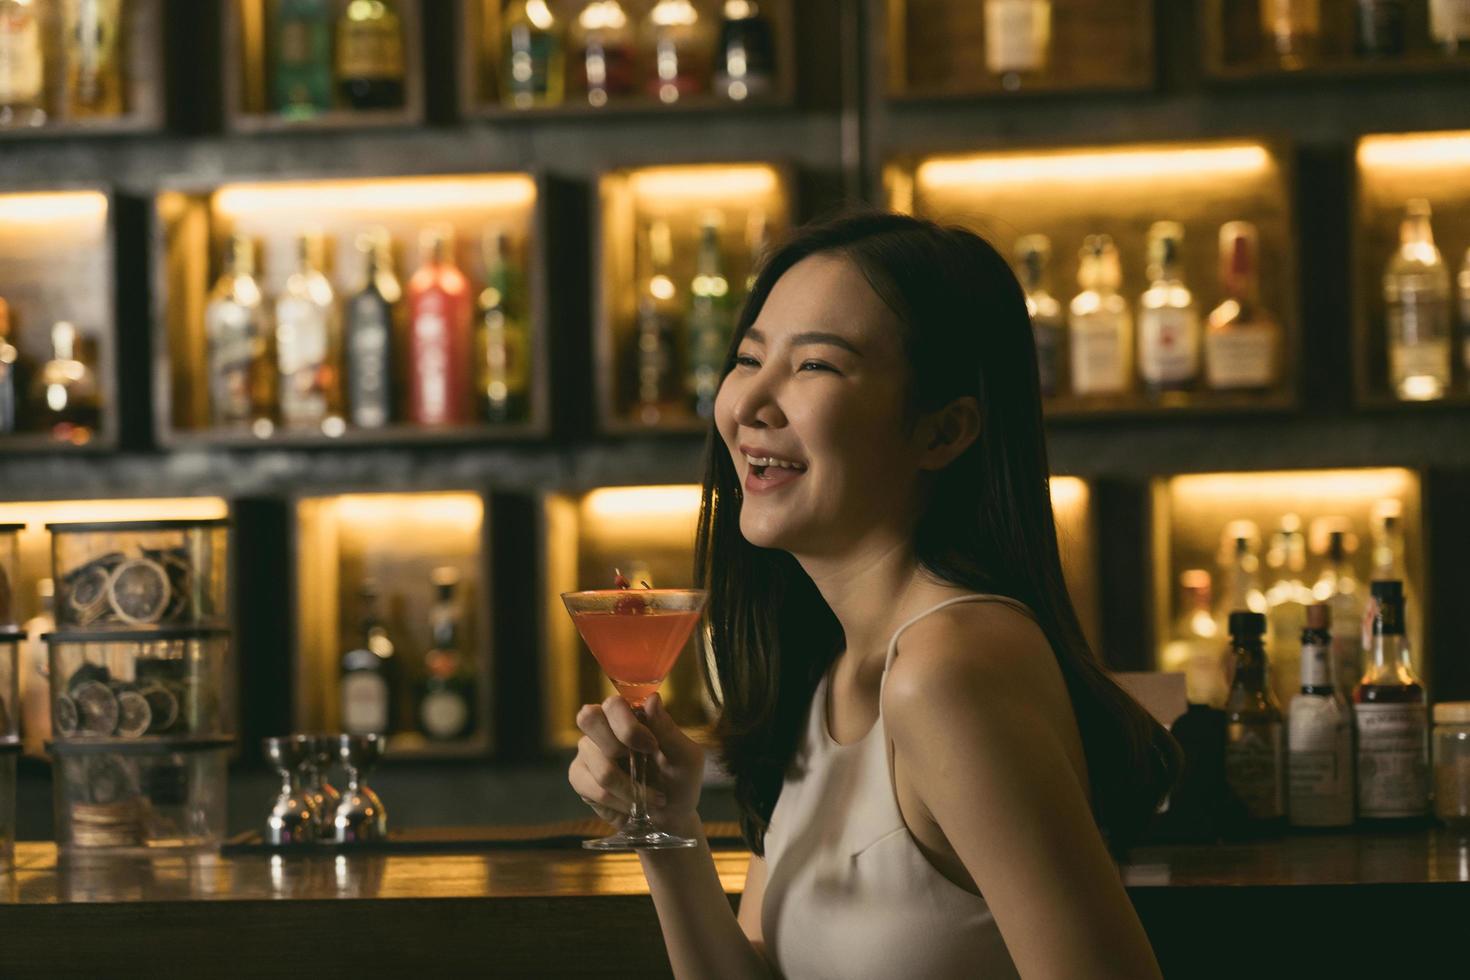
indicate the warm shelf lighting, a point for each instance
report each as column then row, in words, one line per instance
column 394, row 194
column 1429, row 151
column 638, row 503
column 1093, row 166
column 1308, row 485
column 37, row 514
column 1067, row 493
column 701, row 183
column 458, row 511
column 53, row 207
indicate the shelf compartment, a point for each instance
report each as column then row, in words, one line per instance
column 1392, row 169
column 935, row 49
column 247, row 88
column 192, row 228
column 397, row 540
column 1068, row 193
column 628, row 200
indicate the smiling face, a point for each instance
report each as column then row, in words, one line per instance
column 812, row 415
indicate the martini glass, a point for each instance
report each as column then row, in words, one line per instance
column 636, row 635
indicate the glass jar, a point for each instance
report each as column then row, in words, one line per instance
column 140, row 575
column 1452, row 765
column 9, row 574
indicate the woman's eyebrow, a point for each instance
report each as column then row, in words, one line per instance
column 809, row 338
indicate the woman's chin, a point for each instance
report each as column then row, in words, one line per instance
column 762, row 534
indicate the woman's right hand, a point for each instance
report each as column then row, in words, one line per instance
column 599, row 774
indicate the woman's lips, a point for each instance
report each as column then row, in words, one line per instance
column 776, row 476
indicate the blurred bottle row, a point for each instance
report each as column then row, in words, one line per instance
column 58, row 396
column 1421, row 311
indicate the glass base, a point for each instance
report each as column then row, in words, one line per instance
column 639, row 835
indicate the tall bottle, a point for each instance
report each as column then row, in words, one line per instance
column 1390, row 561
column 301, row 62
column 1338, row 587
column 369, row 672
column 533, row 61
column 1381, row 28
column 745, row 60
column 237, row 327
column 446, row 695
column 440, row 358
column 604, row 51
column 1390, row 714
column 1242, row 339
column 22, row 64
column 677, row 42
column 711, row 319
column 1240, row 573
column 1416, row 293
column 371, row 334
column 370, row 66
column 94, row 58
column 308, row 340
column 1100, row 325
column 1168, row 319
column 1048, row 326
column 64, row 393
column 1194, row 646
column 1449, row 25
column 1017, row 38
column 1287, row 599
column 656, row 350
column 1254, row 749
column 9, row 371
column 1319, row 736
column 505, row 334
column 1292, row 30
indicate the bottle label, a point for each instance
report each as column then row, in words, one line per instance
column 232, row 354
column 364, row 703
column 1316, row 663
column 1319, row 762
column 1241, row 356
column 1253, row 767
column 443, row 714
column 21, row 75
column 1393, row 759
column 1168, row 346
column 368, row 363
column 369, row 50
column 1016, row 35
column 529, row 56
column 1098, row 363
column 431, row 367
column 1449, row 20
column 301, row 352
column 507, row 364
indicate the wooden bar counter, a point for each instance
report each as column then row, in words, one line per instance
column 1259, row 909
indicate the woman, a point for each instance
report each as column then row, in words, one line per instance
column 929, row 763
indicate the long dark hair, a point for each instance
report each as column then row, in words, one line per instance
column 987, row 524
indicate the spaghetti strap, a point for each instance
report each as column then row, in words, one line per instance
column 1006, row 600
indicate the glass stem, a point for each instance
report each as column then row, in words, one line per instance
column 638, row 769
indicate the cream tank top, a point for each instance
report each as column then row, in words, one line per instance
column 849, row 895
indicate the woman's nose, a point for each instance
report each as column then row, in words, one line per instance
column 755, row 402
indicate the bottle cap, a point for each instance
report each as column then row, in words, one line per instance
column 1245, row 624
column 1319, row 616
column 1452, row 713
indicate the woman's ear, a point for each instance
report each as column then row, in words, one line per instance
column 944, row 434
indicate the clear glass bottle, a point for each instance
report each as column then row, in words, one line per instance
column 65, row 395
column 94, row 58
column 238, row 331
column 1168, row 319
column 745, row 66
column 1449, row 25
column 371, row 334
column 1287, row 598
column 1381, row 28
column 22, row 64
column 1100, row 326
column 711, row 319
column 370, row 64
column 1048, row 326
column 1319, row 735
column 1390, row 561
column 1017, row 38
column 301, row 57
column 605, row 52
column 1337, row 586
column 446, row 694
column 1292, row 30
column 440, row 357
column 1194, row 645
column 1416, row 294
column 656, row 354
column 1254, row 743
column 1240, row 573
column 368, row 683
column 1242, row 339
column 307, row 341
column 9, row 371
column 1391, row 719
column 678, row 43
column 533, row 59
column 505, row 334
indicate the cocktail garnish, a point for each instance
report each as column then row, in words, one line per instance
column 628, row 605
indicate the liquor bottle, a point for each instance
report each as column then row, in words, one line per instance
column 745, row 64
column 65, row 390
column 368, row 681
column 1194, row 647
column 505, row 336
column 1449, row 25
column 710, row 320
column 757, row 246
column 1242, row 340
column 301, row 49
column 307, row 341
column 1380, row 28
column 1100, row 328
column 446, row 695
column 656, row 353
column 370, row 54
column 1254, row 760
column 1239, row 574
column 439, row 354
column 237, row 328
column 1338, row 587
column 533, row 62
column 1319, row 735
column 1416, row 293
column 1292, row 30
column 1389, row 711
column 1389, row 562
column 22, row 64
column 371, row 334
column 1017, row 38
column 1287, row 599
column 1168, row 320
column 1033, row 261
column 605, row 52
column 9, row 371
column 94, row 62
column 677, row 43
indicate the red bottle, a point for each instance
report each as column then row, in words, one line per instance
column 439, row 353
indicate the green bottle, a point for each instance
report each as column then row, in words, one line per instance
column 533, row 58
column 301, row 73
column 505, row 340
column 710, row 319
